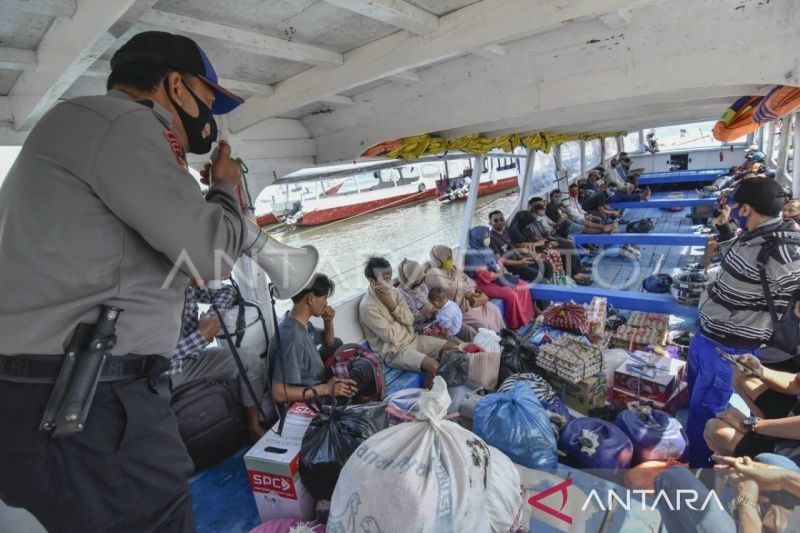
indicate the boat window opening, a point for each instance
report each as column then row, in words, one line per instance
column 544, row 175
column 570, row 159
column 687, row 136
column 630, row 143
column 592, row 153
column 431, row 171
column 611, row 147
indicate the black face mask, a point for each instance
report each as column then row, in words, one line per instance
column 200, row 130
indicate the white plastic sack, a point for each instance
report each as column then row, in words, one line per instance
column 429, row 475
column 488, row 340
column 612, row 358
column 504, row 502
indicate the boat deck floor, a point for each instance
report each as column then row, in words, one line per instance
column 221, row 496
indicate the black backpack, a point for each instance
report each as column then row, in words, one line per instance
column 210, row 420
column 786, row 328
column 644, row 225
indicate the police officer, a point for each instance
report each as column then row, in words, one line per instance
column 99, row 209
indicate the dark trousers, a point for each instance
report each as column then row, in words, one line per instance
column 538, row 272
column 126, row 471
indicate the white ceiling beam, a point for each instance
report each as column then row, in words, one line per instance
column 68, row 48
column 17, row 59
column 493, row 51
column 404, row 77
column 395, row 13
column 617, row 20
column 49, row 8
column 244, row 40
column 102, row 68
column 337, row 99
column 478, row 25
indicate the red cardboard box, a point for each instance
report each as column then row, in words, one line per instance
column 658, row 381
column 680, row 397
column 273, row 469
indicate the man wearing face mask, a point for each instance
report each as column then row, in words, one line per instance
column 99, row 209
column 734, row 312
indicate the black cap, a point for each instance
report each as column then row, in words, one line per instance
column 179, row 53
column 764, row 195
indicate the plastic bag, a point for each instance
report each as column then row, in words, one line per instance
column 453, row 367
column 333, row 435
column 518, row 357
column 488, row 340
column 516, row 423
column 656, row 436
column 403, row 405
column 435, row 472
column 595, row 443
column 483, row 369
column 504, row 503
column 558, row 412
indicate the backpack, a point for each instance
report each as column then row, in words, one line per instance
column 785, row 330
column 210, row 420
column 365, row 367
column 644, row 225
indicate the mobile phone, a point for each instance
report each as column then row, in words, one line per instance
column 741, row 366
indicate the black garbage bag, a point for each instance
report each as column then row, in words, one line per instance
column 454, row 367
column 518, row 356
column 333, row 435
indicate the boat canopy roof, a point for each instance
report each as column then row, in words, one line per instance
column 324, row 80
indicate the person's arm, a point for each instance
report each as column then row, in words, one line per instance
column 779, row 428
column 386, row 330
column 285, row 393
column 328, row 336
column 137, row 176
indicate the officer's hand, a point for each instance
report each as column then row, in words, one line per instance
column 224, row 168
column 209, row 326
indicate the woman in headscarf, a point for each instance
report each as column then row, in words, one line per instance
column 411, row 276
column 491, row 278
column 478, row 311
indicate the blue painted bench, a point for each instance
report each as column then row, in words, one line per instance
column 665, row 203
column 657, row 239
column 646, row 181
column 634, row 301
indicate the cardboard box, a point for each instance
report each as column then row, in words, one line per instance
column 658, row 382
column 273, row 469
column 582, row 396
column 680, row 397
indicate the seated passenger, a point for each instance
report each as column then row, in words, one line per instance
column 193, row 359
column 449, row 316
column 478, row 311
column 519, row 261
column 297, row 364
column 594, row 181
column 557, row 211
column 772, row 400
column 389, row 325
column 524, row 235
column 411, row 284
column 565, row 246
column 791, row 210
column 496, row 282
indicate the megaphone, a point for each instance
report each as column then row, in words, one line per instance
column 290, row 269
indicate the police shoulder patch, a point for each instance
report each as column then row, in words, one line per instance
column 177, row 147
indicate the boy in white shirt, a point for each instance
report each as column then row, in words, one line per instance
column 449, row 315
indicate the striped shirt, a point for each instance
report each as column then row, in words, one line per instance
column 733, row 311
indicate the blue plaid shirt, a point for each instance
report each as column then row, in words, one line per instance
column 192, row 341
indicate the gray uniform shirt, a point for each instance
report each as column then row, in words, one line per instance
column 298, row 362
column 97, row 209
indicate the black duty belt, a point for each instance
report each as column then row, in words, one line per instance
column 45, row 368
